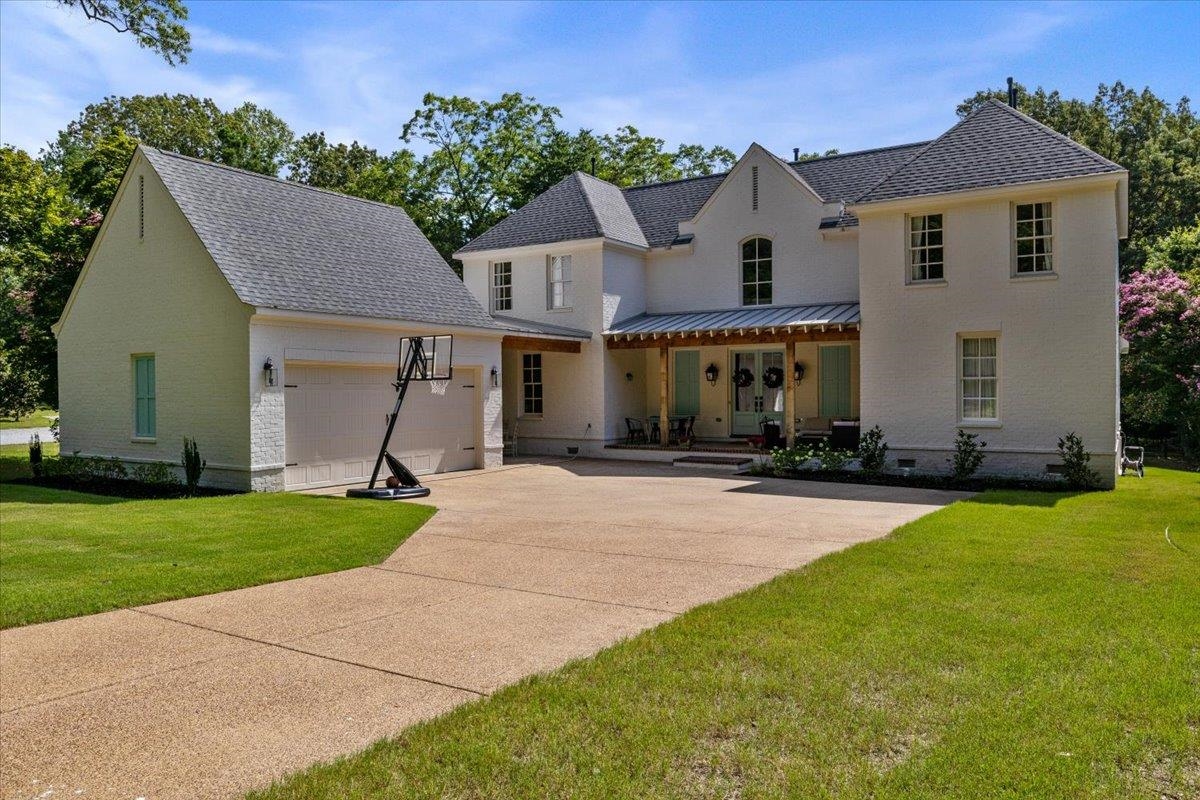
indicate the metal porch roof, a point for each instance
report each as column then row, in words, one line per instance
column 739, row 319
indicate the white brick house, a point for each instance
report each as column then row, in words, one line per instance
column 964, row 283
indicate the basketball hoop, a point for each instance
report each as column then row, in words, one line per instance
column 439, row 387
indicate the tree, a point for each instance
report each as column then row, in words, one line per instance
column 1158, row 144
column 1177, row 250
column 44, row 238
column 156, row 24
column 1160, row 317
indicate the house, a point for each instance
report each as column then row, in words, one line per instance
column 966, row 283
column 202, row 275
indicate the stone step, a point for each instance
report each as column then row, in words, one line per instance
column 723, row 463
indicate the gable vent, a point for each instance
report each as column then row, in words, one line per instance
column 141, row 206
column 754, row 188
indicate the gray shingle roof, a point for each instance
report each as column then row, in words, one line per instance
column 577, row 207
column 529, row 326
column 659, row 207
column 993, row 146
column 739, row 319
column 848, row 175
column 293, row 247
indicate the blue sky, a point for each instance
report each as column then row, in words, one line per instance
column 808, row 75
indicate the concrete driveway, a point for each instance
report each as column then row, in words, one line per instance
column 521, row 570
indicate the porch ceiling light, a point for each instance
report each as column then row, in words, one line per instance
column 711, row 373
column 798, row 372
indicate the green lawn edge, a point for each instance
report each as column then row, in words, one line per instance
column 65, row 554
column 1014, row 645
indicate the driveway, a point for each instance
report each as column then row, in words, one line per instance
column 521, row 570
column 23, row 435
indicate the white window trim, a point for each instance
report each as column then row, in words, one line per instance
column 741, row 262
column 1052, row 237
column 977, row 422
column 909, row 249
column 541, row 382
column 494, row 273
column 566, row 268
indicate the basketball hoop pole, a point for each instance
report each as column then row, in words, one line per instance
column 404, row 373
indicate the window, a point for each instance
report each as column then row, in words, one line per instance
column 978, row 378
column 502, row 286
column 144, row 413
column 1034, row 239
column 756, row 272
column 925, row 261
column 559, row 282
column 531, row 383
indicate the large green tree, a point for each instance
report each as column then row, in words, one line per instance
column 1159, row 143
column 156, row 24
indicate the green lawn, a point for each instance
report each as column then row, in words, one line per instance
column 1016, row 645
column 14, row 459
column 42, row 418
column 63, row 554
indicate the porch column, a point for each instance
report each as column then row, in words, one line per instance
column 789, row 395
column 664, row 423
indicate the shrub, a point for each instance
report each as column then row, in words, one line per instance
column 872, row 451
column 55, row 430
column 833, row 460
column 35, row 456
column 968, row 455
column 156, row 473
column 193, row 465
column 1076, row 471
column 790, row 459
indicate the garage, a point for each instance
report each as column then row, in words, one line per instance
column 336, row 416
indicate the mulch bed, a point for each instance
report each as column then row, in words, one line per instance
column 918, row 481
column 132, row 490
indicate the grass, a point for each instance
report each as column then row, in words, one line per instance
column 1017, row 645
column 42, row 418
column 14, row 459
column 63, row 554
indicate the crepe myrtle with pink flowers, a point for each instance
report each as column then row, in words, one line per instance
column 1160, row 317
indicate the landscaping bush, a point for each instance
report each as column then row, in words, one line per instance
column 790, row 459
column 832, row 460
column 193, row 465
column 156, row 473
column 968, row 455
column 35, row 456
column 872, row 451
column 1075, row 458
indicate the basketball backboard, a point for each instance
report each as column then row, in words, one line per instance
column 432, row 355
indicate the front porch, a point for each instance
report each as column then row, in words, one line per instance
column 722, row 375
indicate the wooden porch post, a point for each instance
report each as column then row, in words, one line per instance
column 664, row 423
column 789, row 394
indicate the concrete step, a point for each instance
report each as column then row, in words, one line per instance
column 711, row 462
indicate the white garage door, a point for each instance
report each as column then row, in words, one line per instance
column 336, row 418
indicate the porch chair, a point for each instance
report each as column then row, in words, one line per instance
column 635, row 431
column 683, row 431
column 510, row 439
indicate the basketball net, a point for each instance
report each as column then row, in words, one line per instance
column 439, row 387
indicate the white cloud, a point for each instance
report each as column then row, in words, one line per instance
column 206, row 40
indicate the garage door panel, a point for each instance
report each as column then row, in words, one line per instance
column 336, row 418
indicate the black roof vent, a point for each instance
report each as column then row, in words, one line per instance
column 1012, row 94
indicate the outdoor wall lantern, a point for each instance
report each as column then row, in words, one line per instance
column 629, row 377
column 711, row 373
column 798, row 372
column 495, row 376
column 269, row 371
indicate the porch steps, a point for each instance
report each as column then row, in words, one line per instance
column 710, row 462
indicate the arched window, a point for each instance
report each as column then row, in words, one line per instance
column 756, row 272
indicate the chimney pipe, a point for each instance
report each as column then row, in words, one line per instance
column 1012, row 93
column 795, row 154
column 593, row 166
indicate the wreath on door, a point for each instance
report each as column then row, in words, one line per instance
column 743, row 378
column 773, row 377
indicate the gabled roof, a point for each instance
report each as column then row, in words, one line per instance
column 995, row 145
column 743, row 318
column 577, row 207
column 847, row 175
column 293, row 247
column 659, row 207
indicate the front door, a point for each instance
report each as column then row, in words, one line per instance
column 758, row 377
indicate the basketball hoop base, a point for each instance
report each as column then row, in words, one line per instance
column 394, row 493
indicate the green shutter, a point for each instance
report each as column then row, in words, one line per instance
column 687, row 383
column 145, row 411
column 835, row 381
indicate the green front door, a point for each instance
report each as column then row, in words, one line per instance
column 762, row 397
column 687, row 383
column 834, row 378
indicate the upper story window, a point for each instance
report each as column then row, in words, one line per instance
column 502, row 286
column 558, row 282
column 1033, row 238
column 978, row 378
column 925, row 259
column 756, row 272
